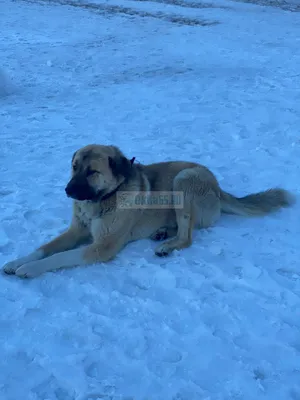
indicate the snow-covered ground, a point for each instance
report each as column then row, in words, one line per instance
column 214, row 84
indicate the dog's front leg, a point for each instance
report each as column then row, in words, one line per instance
column 110, row 235
column 65, row 259
column 94, row 253
column 67, row 240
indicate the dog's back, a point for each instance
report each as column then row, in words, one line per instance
column 161, row 175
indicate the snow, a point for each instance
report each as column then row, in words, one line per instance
column 217, row 321
column 6, row 85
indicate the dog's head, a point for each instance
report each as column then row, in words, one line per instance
column 97, row 170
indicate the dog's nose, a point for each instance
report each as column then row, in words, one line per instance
column 67, row 190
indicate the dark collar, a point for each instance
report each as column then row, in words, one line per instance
column 110, row 194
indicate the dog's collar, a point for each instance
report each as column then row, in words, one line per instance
column 110, row 194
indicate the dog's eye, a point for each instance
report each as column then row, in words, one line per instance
column 75, row 166
column 91, row 172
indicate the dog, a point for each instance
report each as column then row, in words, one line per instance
column 105, row 186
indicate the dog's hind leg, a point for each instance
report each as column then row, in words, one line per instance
column 185, row 220
column 201, row 207
column 164, row 233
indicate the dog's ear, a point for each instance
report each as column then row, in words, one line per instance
column 120, row 166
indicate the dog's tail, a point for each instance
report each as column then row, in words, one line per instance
column 261, row 203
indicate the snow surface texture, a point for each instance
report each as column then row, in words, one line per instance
column 6, row 85
column 216, row 84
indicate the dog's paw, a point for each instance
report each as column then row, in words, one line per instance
column 11, row 267
column 29, row 270
column 164, row 233
column 160, row 234
column 163, row 250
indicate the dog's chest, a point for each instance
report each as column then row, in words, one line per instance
column 86, row 213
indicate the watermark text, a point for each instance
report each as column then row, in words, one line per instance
column 152, row 200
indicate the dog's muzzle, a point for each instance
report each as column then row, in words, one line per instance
column 79, row 190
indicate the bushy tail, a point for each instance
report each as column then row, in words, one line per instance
column 258, row 203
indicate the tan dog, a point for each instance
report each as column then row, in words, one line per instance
column 117, row 201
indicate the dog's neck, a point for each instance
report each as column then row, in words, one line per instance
column 108, row 195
